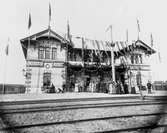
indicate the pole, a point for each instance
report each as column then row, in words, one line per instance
column 5, row 69
column 5, row 66
column 67, row 87
column 66, row 71
column 28, row 49
column 112, row 56
column 138, row 26
column 83, row 60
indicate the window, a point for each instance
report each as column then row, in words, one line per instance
column 41, row 53
column 141, row 61
column 136, row 59
column 47, row 53
column 54, row 53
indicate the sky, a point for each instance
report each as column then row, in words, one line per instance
column 87, row 18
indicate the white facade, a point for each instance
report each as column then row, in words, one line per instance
column 45, row 64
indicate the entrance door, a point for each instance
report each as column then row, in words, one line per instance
column 46, row 79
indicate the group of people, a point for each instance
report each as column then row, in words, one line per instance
column 109, row 87
column 118, row 88
column 92, row 86
column 50, row 88
column 103, row 87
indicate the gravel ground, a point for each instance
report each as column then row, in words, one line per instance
column 85, row 127
column 75, row 114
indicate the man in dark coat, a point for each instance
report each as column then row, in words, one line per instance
column 149, row 85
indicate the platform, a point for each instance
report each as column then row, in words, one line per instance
column 51, row 96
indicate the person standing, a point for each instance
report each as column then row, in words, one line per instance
column 76, row 86
column 149, row 85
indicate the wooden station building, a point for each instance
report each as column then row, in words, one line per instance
column 52, row 59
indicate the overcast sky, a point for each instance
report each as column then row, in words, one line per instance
column 88, row 18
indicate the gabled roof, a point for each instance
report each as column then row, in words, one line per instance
column 45, row 33
column 136, row 45
column 48, row 33
column 141, row 43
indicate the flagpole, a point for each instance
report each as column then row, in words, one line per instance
column 49, row 15
column 129, row 69
column 28, row 47
column 5, row 66
column 66, row 70
column 138, row 26
column 4, row 74
column 112, row 55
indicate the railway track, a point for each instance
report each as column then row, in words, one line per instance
column 73, row 122
column 77, row 106
column 31, row 107
column 67, row 104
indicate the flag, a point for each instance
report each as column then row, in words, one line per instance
column 83, row 43
column 68, row 32
column 99, row 52
column 127, row 48
column 50, row 13
column 123, row 46
column 126, row 35
column 138, row 25
column 104, row 47
column 151, row 40
column 110, row 27
column 95, row 50
column 159, row 56
column 98, row 47
column 117, row 43
column 7, row 50
column 29, row 21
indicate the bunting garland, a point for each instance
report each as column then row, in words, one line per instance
column 93, row 42
column 105, row 49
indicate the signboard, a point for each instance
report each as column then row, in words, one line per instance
column 34, row 64
column 141, row 67
column 57, row 64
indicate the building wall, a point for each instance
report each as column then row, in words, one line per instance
column 32, row 53
column 35, row 67
column 57, row 76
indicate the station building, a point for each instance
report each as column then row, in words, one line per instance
column 52, row 59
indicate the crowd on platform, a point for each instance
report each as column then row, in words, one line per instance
column 99, row 87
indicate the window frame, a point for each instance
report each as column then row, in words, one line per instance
column 47, row 53
column 41, row 52
column 54, row 53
